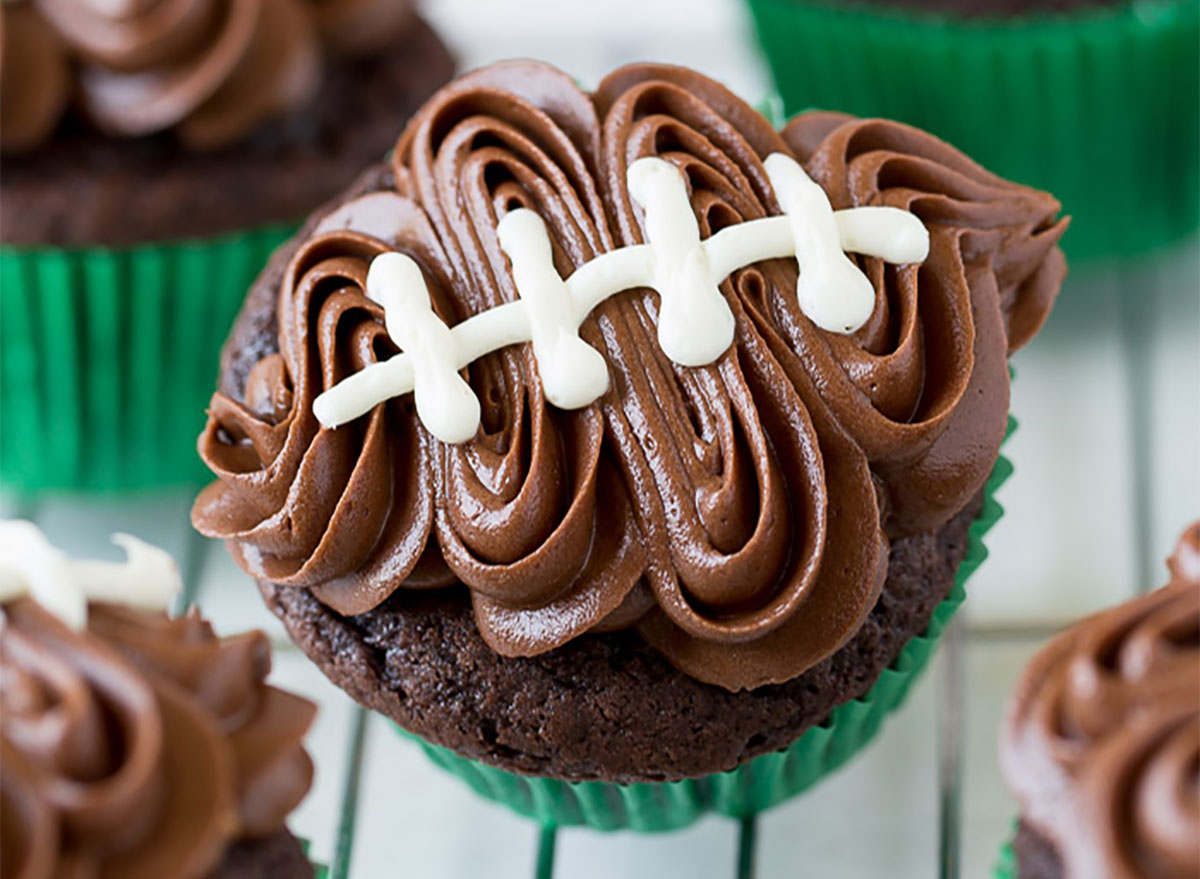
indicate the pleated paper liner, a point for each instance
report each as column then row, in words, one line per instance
column 1100, row 106
column 758, row 784
column 320, row 871
column 1006, row 861
column 1006, row 864
column 108, row 358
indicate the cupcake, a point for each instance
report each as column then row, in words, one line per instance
column 155, row 153
column 539, row 444
column 1101, row 741
column 1097, row 101
column 136, row 744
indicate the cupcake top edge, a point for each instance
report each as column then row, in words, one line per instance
column 1101, row 743
column 211, row 71
column 133, row 743
column 698, row 370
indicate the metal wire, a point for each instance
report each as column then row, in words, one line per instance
column 544, row 863
column 340, row 868
column 747, row 847
column 1136, row 301
column 949, row 767
column 191, row 566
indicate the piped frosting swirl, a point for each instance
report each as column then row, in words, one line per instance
column 210, row 70
column 736, row 513
column 139, row 745
column 1102, row 737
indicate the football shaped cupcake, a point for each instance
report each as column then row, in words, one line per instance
column 573, row 440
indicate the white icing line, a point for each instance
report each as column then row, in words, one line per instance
column 148, row 579
column 623, row 269
column 445, row 402
column 824, row 267
column 490, row 331
column 887, row 233
column 572, row 372
column 695, row 324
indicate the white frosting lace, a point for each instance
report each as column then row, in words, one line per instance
column 695, row 324
column 29, row 565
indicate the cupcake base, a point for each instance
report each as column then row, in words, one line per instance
column 278, row 856
column 85, row 189
column 1028, row 856
column 106, row 358
column 608, row 708
column 754, row 786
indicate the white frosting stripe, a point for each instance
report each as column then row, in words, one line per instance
column 832, row 291
column 572, row 372
column 695, row 323
column 890, row 234
column 445, row 402
column 148, row 579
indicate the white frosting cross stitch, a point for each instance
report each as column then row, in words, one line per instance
column 695, row 323
column 148, row 579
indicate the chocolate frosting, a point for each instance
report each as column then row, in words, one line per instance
column 141, row 746
column 1102, row 738
column 736, row 513
column 211, row 70
column 30, row 52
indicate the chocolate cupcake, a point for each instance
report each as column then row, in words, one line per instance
column 705, row 526
column 1102, row 740
column 1097, row 101
column 135, row 744
column 155, row 153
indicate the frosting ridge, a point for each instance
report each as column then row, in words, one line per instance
column 210, row 70
column 1102, row 738
column 139, row 745
column 737, row 513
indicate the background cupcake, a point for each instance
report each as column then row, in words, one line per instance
column 153, row 158
column 1094, row 100
column 135, row 744
column 698, row 568
column 1102, row 739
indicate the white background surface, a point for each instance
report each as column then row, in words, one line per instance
column 1116, row 370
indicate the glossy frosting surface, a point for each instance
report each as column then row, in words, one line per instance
column 210, row 70
column 1102, row 738
column 737, row 514
column 140, row 746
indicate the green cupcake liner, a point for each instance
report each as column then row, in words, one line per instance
column 108, row 358
column 1006, row 862
column 1100, row 107
column 320, row 871
column 756, row 785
